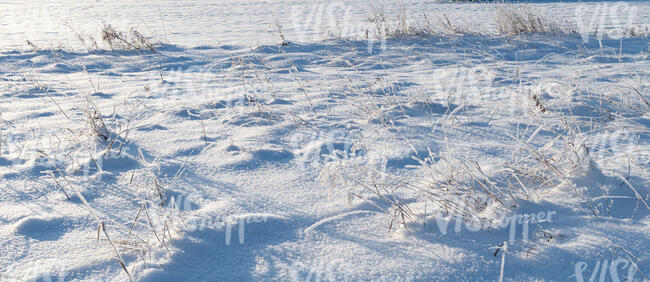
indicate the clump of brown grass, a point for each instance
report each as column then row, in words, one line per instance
column 132, row 40
column 522, row 19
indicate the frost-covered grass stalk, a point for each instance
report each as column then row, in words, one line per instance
column 509, row 20
column 466, row 187
column 94, row 139
column 133, row 40
column 513, row 19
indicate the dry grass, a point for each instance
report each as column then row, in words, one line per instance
column 637, row 31
column 404, row 24
column 510, row 19
column 90, row 134
column 522, row 19
column 132, row 40
column 480, row 192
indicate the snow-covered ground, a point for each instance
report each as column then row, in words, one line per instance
column 339, row 154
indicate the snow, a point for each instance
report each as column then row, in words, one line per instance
column 226, row 155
